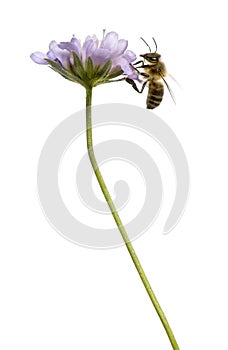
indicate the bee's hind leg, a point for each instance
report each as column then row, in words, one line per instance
column 133, row 84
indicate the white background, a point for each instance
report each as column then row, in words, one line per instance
column 57, row 295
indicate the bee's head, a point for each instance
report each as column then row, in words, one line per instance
column 151, row 57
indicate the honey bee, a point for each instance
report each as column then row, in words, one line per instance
column 154, row 77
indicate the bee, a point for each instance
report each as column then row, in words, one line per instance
column 154, row 77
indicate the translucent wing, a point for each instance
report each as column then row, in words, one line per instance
column 169, row 89
column 175, row 80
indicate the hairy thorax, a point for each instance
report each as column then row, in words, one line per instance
column 156, row 70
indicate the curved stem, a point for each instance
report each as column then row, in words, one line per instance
column 119, row 222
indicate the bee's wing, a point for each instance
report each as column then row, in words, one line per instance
column 177, row 82
column 169, row 89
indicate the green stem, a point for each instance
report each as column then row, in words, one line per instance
column 119, row 222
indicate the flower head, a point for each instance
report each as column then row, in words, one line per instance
column 92, row 63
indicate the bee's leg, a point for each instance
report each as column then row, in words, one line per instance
column 143, row 65
column 142, row 62
column 141, row 73
column 133, row 84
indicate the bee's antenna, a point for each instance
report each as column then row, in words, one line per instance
column 155, row 45
column 146, row 44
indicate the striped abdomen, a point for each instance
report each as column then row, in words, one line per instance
column 155, row 94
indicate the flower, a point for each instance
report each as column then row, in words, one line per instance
column 93, row 63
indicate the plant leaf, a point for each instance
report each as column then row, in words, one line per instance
column 89, row 68
column 64, row 72
column 77, row 67
column 103, row 72
column 114, row 75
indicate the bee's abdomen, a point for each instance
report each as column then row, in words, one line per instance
column 155, row 94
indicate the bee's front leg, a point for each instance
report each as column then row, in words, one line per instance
column 139, row 62
column 140, row 73
column 143, row 65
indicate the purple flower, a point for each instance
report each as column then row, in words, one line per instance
column 109, row 49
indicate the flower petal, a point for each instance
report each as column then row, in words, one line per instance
column 73, row 45
column 130, row 56
column 77, row 45
column 52, row 45
column 121, row 47
column 51, row 55
column 38, row 57
column 134, row 76
column 126, row 67
column 62, row 56
column 100, row 56
column 88, row 47
column 110, row 41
